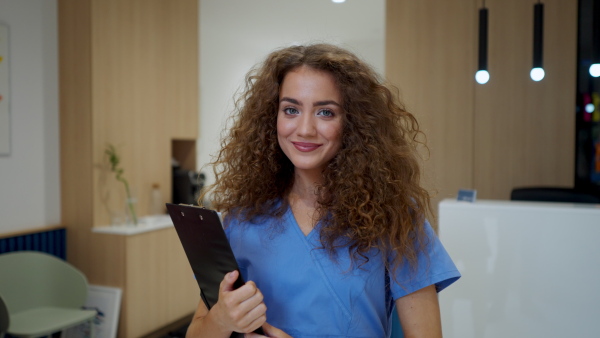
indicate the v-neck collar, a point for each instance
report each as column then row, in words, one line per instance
column 310, row 237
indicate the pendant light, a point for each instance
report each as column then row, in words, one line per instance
column 537, row 72
column 482, row 76
column 595, row 67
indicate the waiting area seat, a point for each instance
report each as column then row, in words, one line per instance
column 4, row 321
column 43, row 294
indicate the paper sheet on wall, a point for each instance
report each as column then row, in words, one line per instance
column 4, row 92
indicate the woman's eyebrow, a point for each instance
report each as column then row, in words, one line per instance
column 290, row 100
column 325, row 103
column 315, row 104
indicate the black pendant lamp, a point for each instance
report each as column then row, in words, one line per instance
column 537, row 71
column 483, row 76
column 595, row 67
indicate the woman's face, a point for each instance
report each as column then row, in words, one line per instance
column 309, row 121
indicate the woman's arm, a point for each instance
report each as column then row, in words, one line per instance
column 419, row 314
column 240, row 310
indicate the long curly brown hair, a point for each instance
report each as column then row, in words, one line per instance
column 371, row 196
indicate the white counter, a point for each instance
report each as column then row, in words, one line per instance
column 529, row 269
column 145, row 224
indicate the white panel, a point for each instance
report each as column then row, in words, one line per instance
column 29, row 176
column 4, row 92
column 529, row 269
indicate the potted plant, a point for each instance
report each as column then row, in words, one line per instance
column 114, row 160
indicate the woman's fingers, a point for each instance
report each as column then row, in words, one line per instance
column 241, row 310
column 227, row 282
column 255, row 324
column 272, row 331
column 245, row 299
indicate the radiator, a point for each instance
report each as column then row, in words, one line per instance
column 53, row 242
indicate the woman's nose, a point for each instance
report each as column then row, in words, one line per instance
column 306, row 125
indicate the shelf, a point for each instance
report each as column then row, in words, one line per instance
column 146, row 224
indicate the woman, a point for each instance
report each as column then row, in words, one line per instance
column 319, row 181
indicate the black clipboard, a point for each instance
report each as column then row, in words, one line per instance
column 207, row 249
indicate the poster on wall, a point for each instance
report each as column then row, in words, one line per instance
column 4, row 93
column 107, row 302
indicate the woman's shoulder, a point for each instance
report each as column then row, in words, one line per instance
column 434, row 266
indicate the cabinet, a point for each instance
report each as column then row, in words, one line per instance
column 128, row 77
column 508, row 286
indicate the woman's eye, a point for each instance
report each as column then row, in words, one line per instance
column 326, row 113
column 291, row 111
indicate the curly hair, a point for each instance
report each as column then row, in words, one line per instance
column 371, row 196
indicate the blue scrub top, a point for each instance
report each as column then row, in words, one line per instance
column 308, row 294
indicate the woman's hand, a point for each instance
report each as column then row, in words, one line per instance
column 240, row 310
column 270, row 331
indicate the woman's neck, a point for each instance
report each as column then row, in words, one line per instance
column 303, row 200
column 304, row 188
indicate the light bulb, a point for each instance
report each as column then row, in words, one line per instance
column 338, row 1
column 589, row 108
column 537, row 74
column 595, row 70
column 482, row 76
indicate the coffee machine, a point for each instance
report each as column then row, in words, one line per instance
column 187, row 185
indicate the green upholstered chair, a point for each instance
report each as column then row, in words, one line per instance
column 3, row 318
column 43, row 294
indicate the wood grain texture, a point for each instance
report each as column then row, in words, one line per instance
column 510, row 132
column 145, row 85
column 128, row 77
column 525, row 130
column 157, row 263
column 75, row 127
column 430, row 52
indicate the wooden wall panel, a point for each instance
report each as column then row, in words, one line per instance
column 106, row 263
column 181, row 74
column 145, row 89
column 129, row 77
column 525, row 130
column 75, row 128
column 430, row 52
column 509, row 132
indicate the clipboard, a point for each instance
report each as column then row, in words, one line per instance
column 207, row 249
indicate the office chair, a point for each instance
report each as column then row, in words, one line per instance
column 43, row 294
column 552, row 194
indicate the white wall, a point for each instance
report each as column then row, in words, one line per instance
column 30, row 176
column 234, row 36
column 237, row 34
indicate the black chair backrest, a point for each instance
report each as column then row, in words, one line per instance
column 549, row 194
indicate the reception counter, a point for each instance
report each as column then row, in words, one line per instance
column 529, row 269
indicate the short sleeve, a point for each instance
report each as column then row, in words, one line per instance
column 434, row 267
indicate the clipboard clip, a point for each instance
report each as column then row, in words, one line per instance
column 194, row 206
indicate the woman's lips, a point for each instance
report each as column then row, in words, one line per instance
column 305, row 146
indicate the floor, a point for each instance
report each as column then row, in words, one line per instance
column 173, row 330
